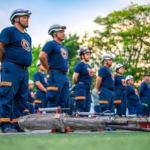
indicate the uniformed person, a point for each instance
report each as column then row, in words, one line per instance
column 15, row 62
column 132, row 95
column 41, row 85
column 30, row 102
column 105, row 84
column 145, row 95
column 57, row 56
column 82, row 79
column 120, row 99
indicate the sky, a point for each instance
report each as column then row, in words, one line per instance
column 77, row 15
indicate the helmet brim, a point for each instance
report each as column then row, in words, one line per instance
column 106, row 59
column 19, row 14
column 50, row 33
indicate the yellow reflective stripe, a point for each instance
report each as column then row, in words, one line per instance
column 26, row 110
column 117, row 101
column 52, row 88
column 6, row 83
column 79, row 97
column 37, row 101
column 105, row 102
column 15, row 120
column 4, row 119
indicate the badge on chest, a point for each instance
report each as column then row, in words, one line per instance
column 112, row 76
column 123, row 82
column 45, row 80
column 90, row 71
column 136, row 92
column 64, row 53
column 25, row 45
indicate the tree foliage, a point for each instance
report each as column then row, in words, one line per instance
column 35, row 57
column 126, row 34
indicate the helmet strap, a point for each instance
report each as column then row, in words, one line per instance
column 108, row 64
column 21, row 24
column 58, row 37
column 85, row 59
column 130, row 83
column 119, row 73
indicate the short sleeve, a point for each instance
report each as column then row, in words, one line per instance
column 48, row 47
column 36, row 77
column 78, row 68
column 102, row 72
column 5, row 36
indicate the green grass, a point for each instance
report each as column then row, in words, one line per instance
column 101, row 141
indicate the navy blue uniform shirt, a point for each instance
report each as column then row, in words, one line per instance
column 132, row 96
column 108, row 78
column 144, row 91
column 132, row 93
column 57, row 56
column 85, row 72
column 120, row 83
column 38, row 76
column 18, row 46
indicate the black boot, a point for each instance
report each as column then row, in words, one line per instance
column 20, row 130
column 9, row 130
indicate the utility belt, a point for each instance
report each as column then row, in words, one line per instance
column 55, row 70
column 121, row 90
column 108, row 89
column 21, row 66
column 84, row 83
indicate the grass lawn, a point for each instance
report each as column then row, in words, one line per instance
column 100, row 141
